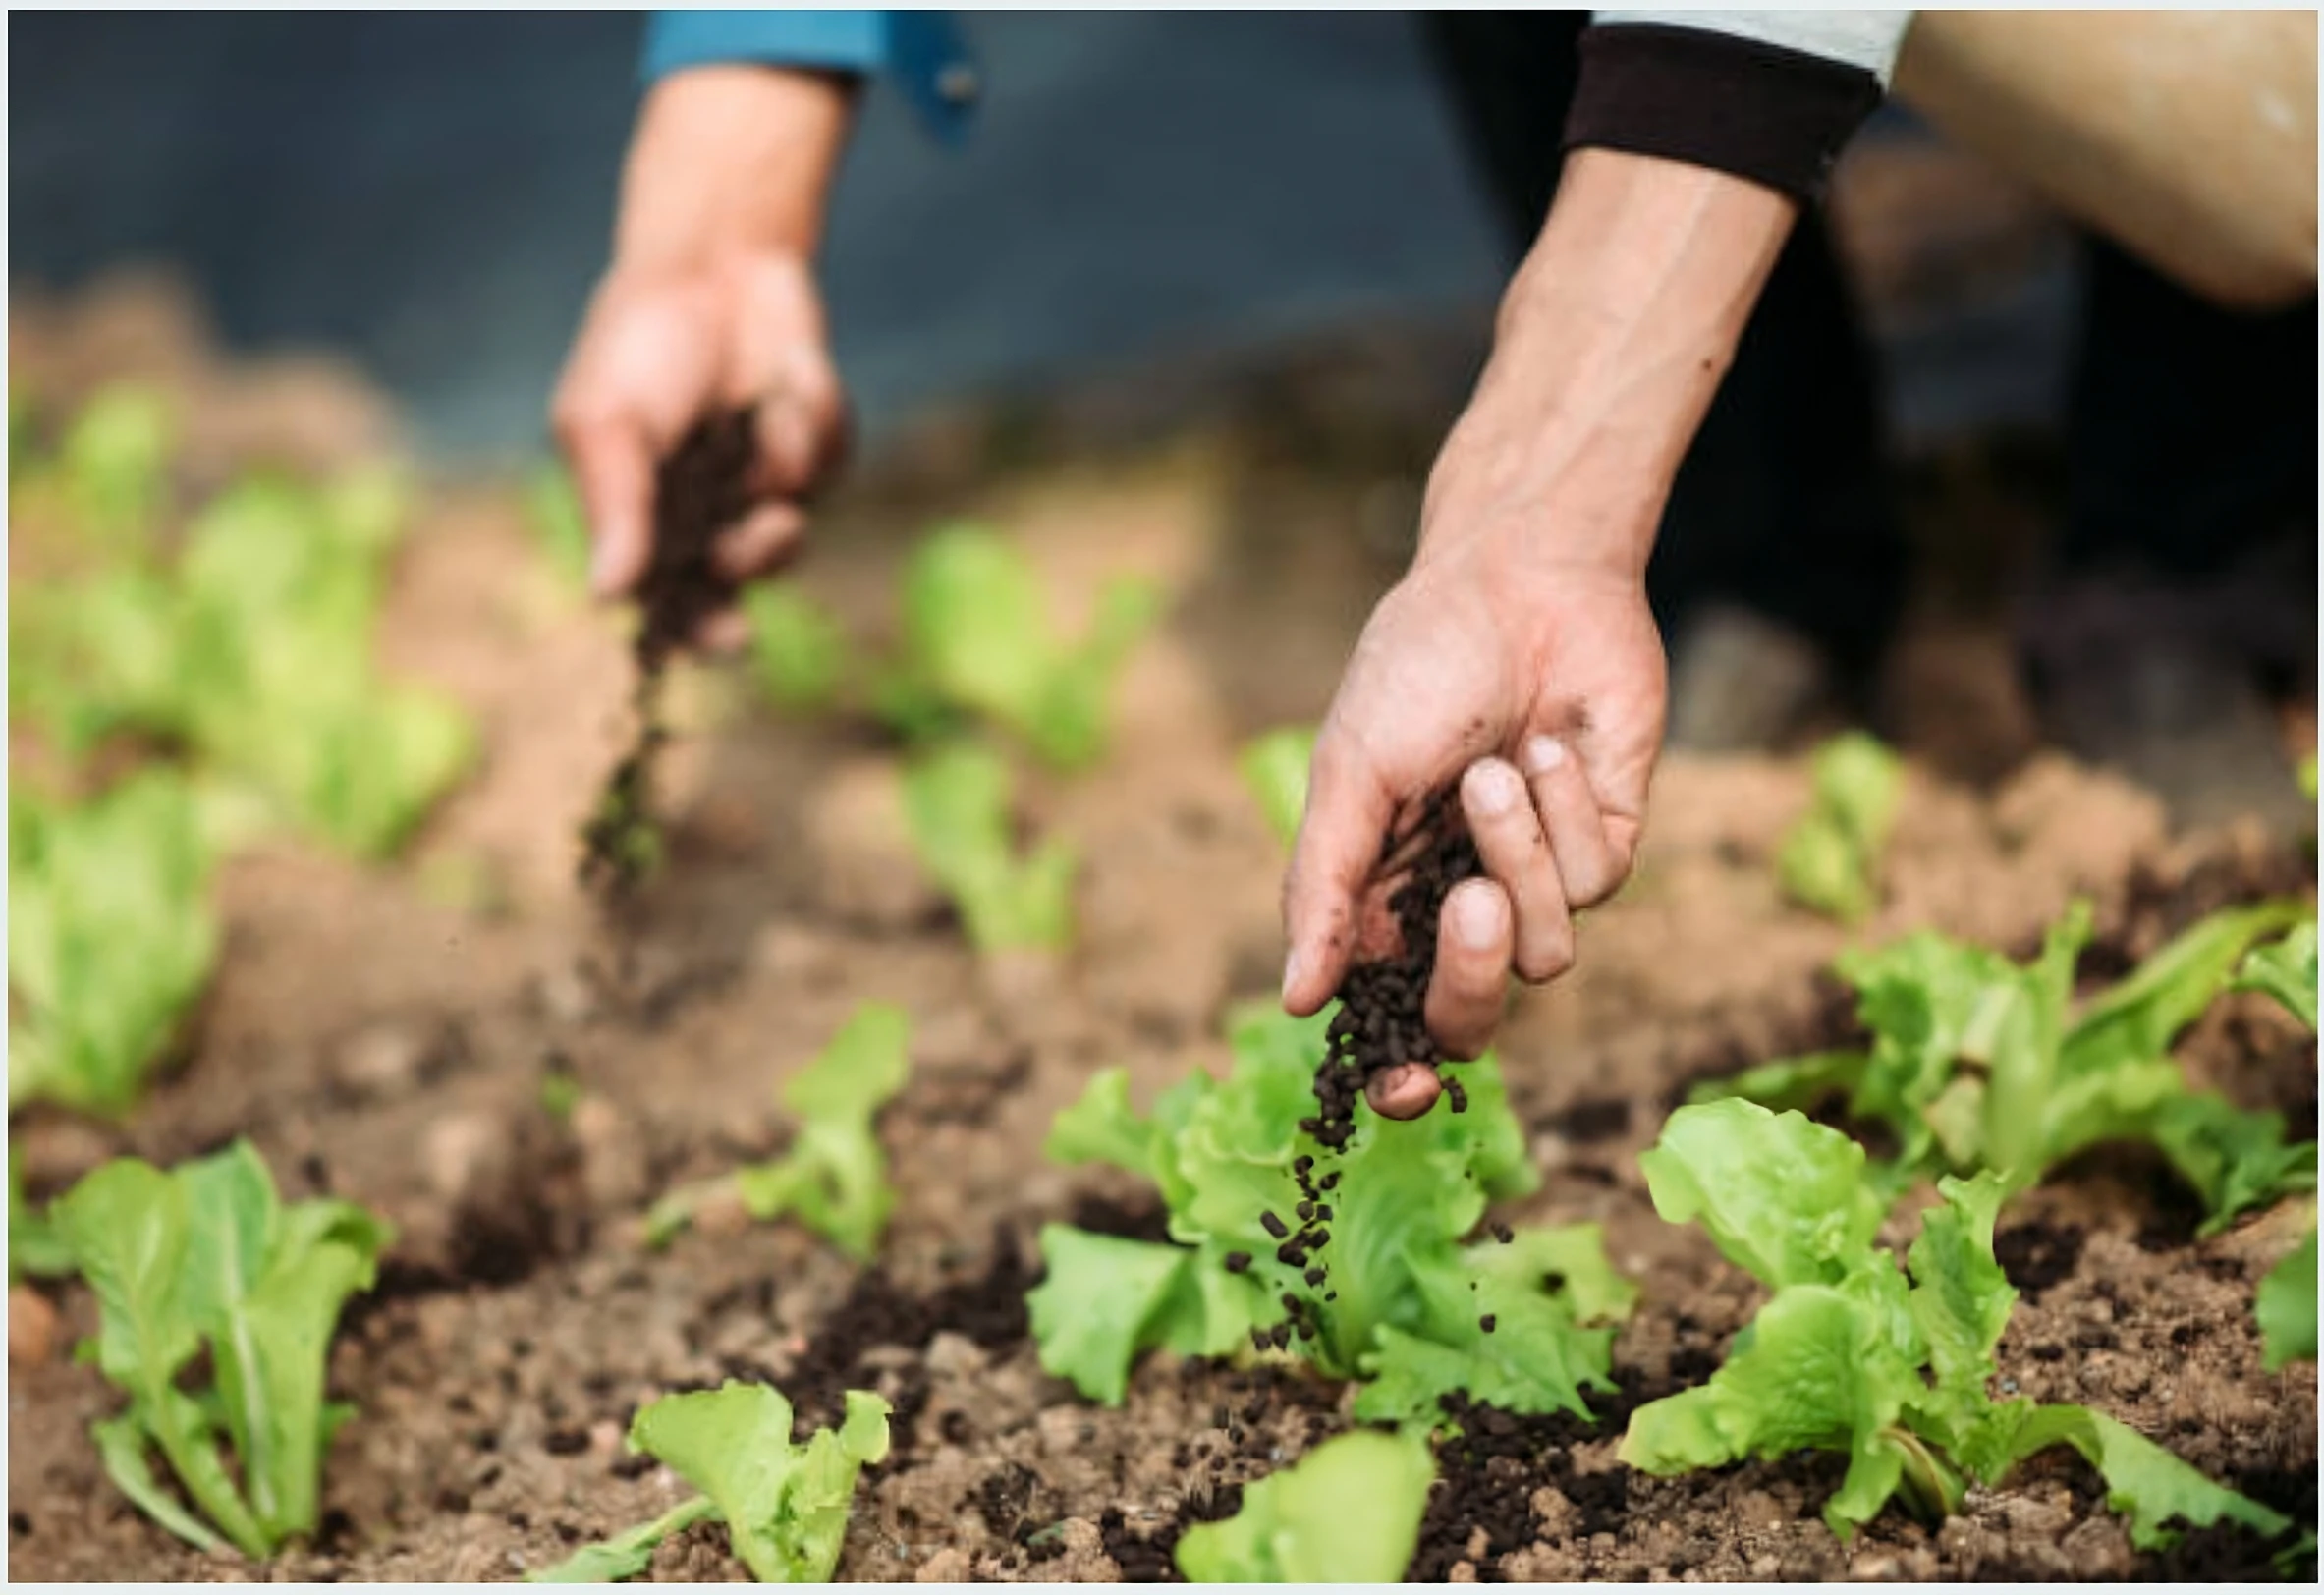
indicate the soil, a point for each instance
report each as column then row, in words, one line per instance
column 699, row 492
column 386, row 1034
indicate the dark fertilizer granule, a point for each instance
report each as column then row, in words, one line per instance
column 700, row 491
column 1382, row 1021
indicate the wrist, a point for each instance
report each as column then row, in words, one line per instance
column 731, row 160
column 1609, row 345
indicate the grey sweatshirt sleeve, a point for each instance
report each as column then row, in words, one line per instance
column 1769, row 95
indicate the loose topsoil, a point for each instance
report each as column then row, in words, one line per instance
column 387, row 1035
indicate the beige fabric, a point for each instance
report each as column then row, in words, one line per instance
column 1866, row 39
column 2188, row 137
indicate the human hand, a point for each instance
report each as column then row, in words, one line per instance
column 1538, row 688
column 1517, row 657
column 711, row 304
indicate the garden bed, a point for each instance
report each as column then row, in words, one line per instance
column 385, row 1034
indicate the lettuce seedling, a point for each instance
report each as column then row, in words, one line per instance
column 1405, row 1305
column 95, row 656
column 2286, row 1307
column 834, row 1180
column 1977, row 1061
column 111, row 938
column 2286, row 1302
column 799, row 651
column 1347, row 1512
column 1886, row 1364
column 956, row 804
column 205, row 1259
column 977, row 639
column 253, row 652
column 1830, row 860
column 1275, row 769
column 114, row 459
column 282, row 586
column 785, row 1505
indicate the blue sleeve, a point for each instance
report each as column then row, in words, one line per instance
column 922, row 51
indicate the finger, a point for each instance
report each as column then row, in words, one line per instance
column 1472, row 953
column 802, row 422
column 1516, row 853
column 1402, row 1091
column 1590, row 862
column 1339, row 841
column 613, row 469
column 759, row 542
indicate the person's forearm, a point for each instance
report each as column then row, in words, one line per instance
column 731, row 158
column 1610, row 341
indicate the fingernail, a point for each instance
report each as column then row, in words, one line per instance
column 1476, row 918
column 1290, row 973
column 1544, row 754
column 1496, row 788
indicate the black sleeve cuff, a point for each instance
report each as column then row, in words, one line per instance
column 1759, row 111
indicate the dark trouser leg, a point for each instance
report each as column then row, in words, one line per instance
column 1782, row 506
column 2187, row 571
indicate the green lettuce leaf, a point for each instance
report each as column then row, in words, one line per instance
column 1101, row 1126
column 2143, row 1481
column 1830, row 860
column 112, row 937
column 1540, row 1290
column 1274, row 766
column 2138, row 1018
column 115, row 457
column 834, row 1178
column 1348, row 1512
column 1100, row 1304
column 956, row 802
column 2236, row 1159
column 785, row 1505
column 1979, row 1063
column 1821, row 1373
column 1783, row 1198
column 34, row 1247
column 2286, row 1307
column 207, row 1259
column 799, row 650
column 628, row 1554
column 978, row 636
column 1961, row 1299
column 2287, row 971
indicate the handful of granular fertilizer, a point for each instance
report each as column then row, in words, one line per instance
column 1381, row 1020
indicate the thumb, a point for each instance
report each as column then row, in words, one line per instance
column 1332, row 862
column 613, row 468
